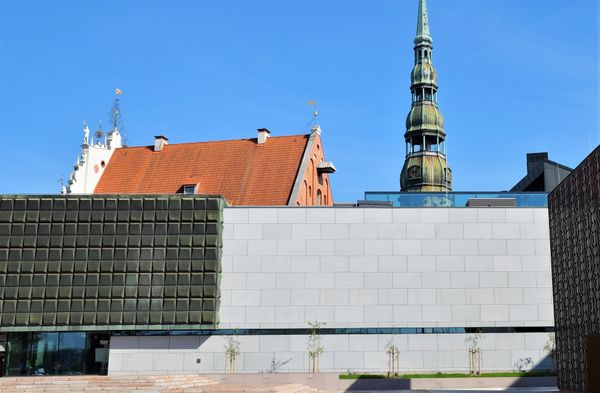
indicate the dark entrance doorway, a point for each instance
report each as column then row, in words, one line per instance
column 593, row 365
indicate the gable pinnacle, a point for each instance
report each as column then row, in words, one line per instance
column 423, row 23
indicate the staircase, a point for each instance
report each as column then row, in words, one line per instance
column 98, row 384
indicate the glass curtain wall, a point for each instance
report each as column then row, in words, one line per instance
column 65, row 353
column 454, row 199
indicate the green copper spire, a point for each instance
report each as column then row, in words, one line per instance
column 425, row 167
column 423, row 23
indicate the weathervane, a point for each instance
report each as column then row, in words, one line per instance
column 115, row 112
column 315, row 112
column 313, row 120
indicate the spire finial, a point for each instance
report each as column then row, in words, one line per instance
column 423, row 23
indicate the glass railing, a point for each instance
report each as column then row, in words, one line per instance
column 454, row 199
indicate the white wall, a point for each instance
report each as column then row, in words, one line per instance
column 92, row 162
column 433, row 352
column 89, row 170
column 352, row 267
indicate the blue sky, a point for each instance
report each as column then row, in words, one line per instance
column 515, row 76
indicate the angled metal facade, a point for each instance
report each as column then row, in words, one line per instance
column 109, row 262
column 574, row 209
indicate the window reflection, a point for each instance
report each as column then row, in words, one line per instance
column 68, row 353
column 454, row 199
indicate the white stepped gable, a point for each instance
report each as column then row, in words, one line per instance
column 92, row 161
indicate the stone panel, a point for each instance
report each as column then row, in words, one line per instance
column 363, row 352
column 392, row 267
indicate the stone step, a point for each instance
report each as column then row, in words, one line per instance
column 141, row 384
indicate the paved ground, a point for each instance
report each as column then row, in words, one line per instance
column 140, row 384
column 204, row 384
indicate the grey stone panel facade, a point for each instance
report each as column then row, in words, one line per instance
column 109, row 262
column 383, row 267
column 356, row 352
column 574, row 208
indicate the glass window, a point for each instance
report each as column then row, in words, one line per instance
column 16, row 354
column 32, row 354
column 455, row 199
column 69, row 353
column 72, row 347
column 189, row 189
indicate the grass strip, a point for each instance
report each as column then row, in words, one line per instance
column 450, row 375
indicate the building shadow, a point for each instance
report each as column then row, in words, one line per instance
column 379, row 384
column 524, row 364
column 545, row 365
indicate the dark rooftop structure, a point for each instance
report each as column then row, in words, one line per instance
column 542, row 174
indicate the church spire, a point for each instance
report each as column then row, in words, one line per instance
column 425, row 168
column 423, row 23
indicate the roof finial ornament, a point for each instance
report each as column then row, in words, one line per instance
column 99, row 134
column 115, row 112
column 315, row 128
column 314, row 104
column 61, row 181
column 86, row 134
column 116, row 135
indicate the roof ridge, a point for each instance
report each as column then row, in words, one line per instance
column 220, row 141
column 558, row 164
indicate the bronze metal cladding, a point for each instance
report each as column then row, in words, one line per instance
column 574, row 209
column 95, row 262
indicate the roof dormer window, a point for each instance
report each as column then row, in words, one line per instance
column 189, row 189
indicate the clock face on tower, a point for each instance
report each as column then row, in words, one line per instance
column 414, row 172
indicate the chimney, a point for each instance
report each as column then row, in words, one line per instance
column 535, row 159
column 263, row 134
column 160, row 142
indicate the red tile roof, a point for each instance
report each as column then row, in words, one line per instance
column 244, row 172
